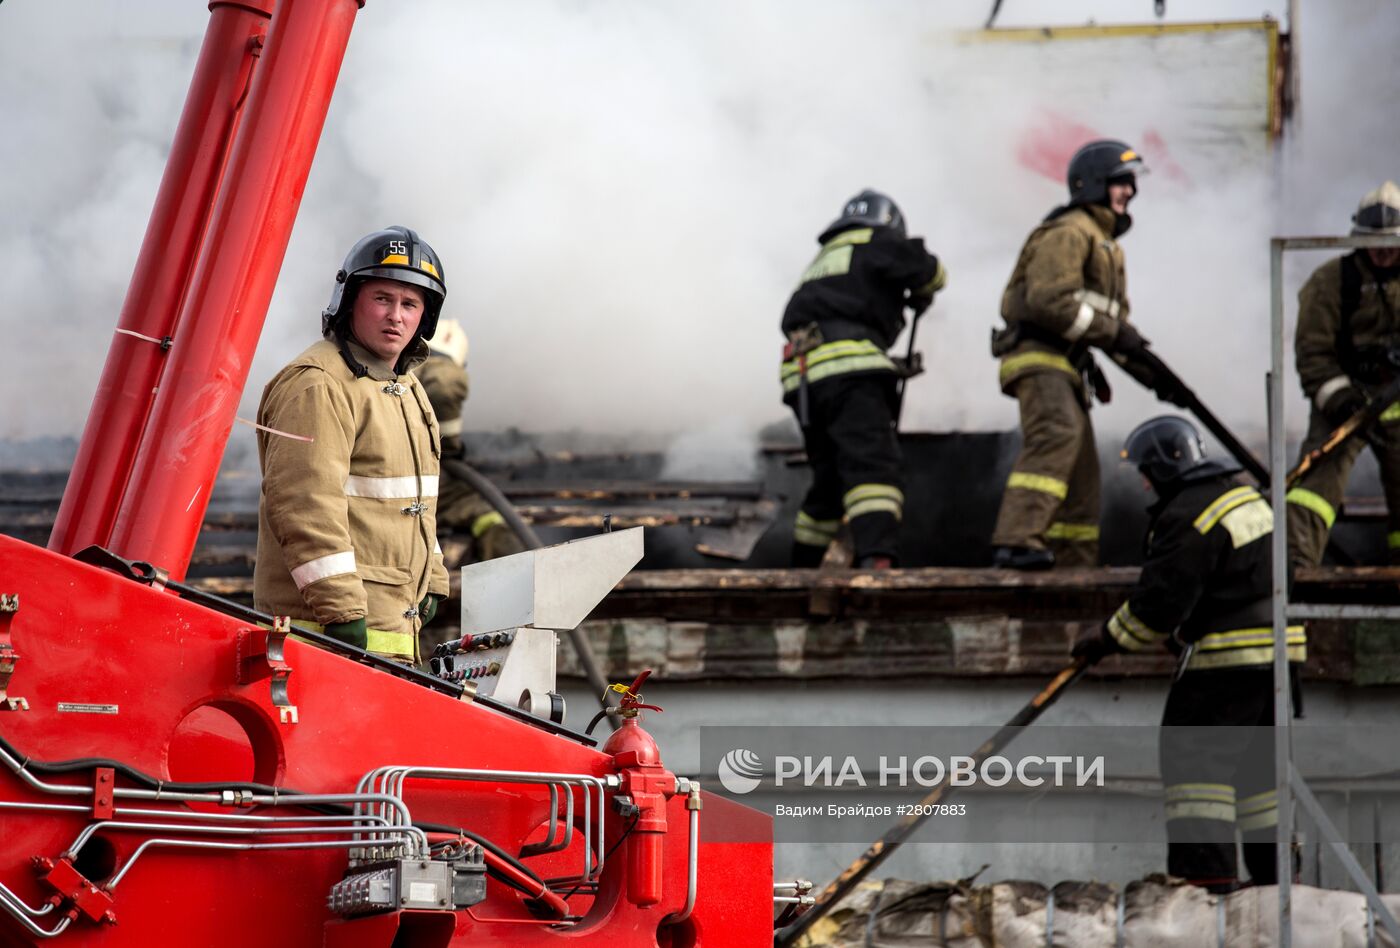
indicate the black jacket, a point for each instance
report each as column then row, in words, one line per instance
column 1207, row 578
column 855, row 287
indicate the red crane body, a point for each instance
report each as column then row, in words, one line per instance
column 174, row 775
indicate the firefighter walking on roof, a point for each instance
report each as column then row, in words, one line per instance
column 1347, row 346
column 845, row 314
column 1068, row 293
column 1206, row 592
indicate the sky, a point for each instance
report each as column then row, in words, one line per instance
column 623, row 193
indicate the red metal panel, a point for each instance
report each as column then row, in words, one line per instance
column 223, row 313
column 130, row 665
column 167, row 257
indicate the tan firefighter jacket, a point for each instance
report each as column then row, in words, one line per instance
column 1067, row 292
column 347, row 519
column 447, row 384
column 1335, row 353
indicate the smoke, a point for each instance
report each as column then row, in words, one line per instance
column 624, row 193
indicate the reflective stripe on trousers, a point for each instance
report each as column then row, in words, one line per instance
column 864, row 499
column 813, row 532
column 1201, row 801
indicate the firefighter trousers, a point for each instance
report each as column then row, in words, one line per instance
column 1314, row 501
column 1217, row 759
column 1052, row 496
column 857, row 468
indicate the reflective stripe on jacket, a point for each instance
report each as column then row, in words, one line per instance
column 842, row 357
column 346, row 522
column 1207, row 580
column 1070, row 285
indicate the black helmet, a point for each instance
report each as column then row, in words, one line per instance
column 867, row 209
column 1168, row 449
column 1095, row 165
column 394, row 253
column 1379, row 212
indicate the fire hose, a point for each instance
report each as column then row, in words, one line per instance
column 493, row 496
column 884, row 847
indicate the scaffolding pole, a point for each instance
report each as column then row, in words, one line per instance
column 1283, row 709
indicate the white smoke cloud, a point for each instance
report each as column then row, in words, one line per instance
column 623, row 193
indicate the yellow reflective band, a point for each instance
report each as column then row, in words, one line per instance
column 1128, row 155
column 1246, row 638
column 874, row 505
column 389, row 643
column 810, row 537
column 427, row 265
column 1243, row 647
column 1038, row 482
column 1201, row 810
column 1222, row 792
column 1073, row 532
column 1391, row 414
column 864, row 491
column 486, row 521
column 809, row 531
column 1025, row 360
column 1313, row 502
column 395, row 258
column 1392, row 540
column 376, row 640
column 1248, row 522
column 835, row 358
column 806, row 521
column 1258, row 821
column 1257, row 803
column 1222, row 505
column 1131, row 632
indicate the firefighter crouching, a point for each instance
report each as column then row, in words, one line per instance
column 836, row 376
column 1068, row 292
column 445, row 380
column 1205, row 591
column 1347, row 346
column 349, row 451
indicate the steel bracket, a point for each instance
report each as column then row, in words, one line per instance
column 103, row 798
column 260, row 655
column 9, row 658
column 74, row 887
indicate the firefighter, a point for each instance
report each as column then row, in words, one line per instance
column 845, row 313
column 1347, row 346
column 1205, row 592
column 444, row 378
column 1067, row 293
column 349, row 451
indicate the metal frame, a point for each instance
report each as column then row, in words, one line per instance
column 1287, row 778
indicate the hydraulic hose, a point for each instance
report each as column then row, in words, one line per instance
column 493, row 496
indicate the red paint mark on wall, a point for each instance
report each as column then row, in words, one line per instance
column 1046, row 147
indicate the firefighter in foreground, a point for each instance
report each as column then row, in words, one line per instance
column 1347, row 346
column 349, row 453
column 1205, row 592
column 845, row 313
column 444, row 378
column 1067, row 293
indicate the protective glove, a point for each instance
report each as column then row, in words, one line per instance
column 1128, row 341
column 1343, row 405
column 355, row 632
column 429, row 607
column 1095, row 645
